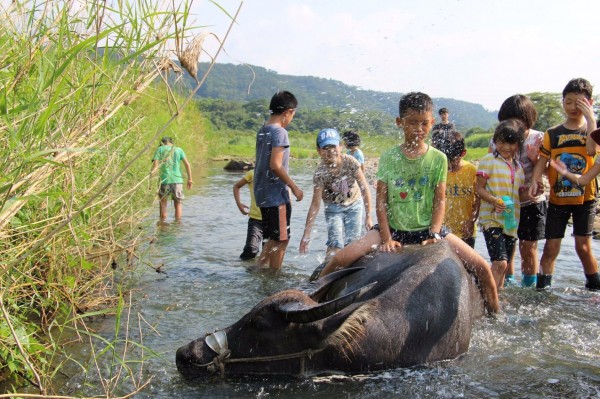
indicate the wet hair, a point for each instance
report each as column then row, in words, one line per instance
column 443, row 110
column 281, row 102
column 578, row 86
column 453, row 145
column 519, row 107
column 351, row 138
column 166, row 140
column 415, row 101
column 511, row 131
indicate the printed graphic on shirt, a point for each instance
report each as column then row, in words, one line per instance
column 576, row 164
column 411, row 189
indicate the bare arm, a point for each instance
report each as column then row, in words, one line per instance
column 381, row 207
column 438, row 211
column 469, row 226
column 276, row 165
column 154, row 167
column 313, row 211
column 366, row 194
column 580, row 180
column 484, row 195
column 439, row 207
column 188, row 170
column 588, row 113
column 153, row 170
column 538, row 170
column 244, row 209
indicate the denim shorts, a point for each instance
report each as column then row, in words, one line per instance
column 344, row 223
column 499, row 245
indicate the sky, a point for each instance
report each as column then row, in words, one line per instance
column 481, row 51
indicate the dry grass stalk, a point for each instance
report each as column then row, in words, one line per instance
column 190, row 57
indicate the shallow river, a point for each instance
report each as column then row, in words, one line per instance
column 542, row 345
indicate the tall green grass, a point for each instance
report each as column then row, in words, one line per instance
column 79, row 115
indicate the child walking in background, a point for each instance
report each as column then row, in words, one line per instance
column 352, row 142
column 570, row 142
column 532, row 220
column 411, row 198
column 500, row 176
column 341, row 184
column 255, row 231
column 167, row 158
column 462, row 202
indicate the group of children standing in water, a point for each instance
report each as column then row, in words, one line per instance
column 418, row 183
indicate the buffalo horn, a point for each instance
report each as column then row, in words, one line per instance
column 314, row 288
column 298, row 313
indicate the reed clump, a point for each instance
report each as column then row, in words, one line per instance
column 72, row 191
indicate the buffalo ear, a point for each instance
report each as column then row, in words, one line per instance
column 300, row 313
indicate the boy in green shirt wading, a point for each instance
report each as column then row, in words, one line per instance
column 168, row 158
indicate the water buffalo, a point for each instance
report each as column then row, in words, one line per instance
column 389, row 310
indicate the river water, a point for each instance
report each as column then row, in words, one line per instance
column 542, row 345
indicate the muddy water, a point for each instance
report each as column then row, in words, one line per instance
column 542, row 345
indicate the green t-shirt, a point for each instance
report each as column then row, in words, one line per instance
column 411, row 186
column 169, row 157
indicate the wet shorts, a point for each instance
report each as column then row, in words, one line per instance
column 175, row 190
column 499, row 245
column 558, row 216
column 412, row 237
column 532, row 221
column 276, row 222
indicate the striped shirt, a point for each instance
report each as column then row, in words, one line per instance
column 503, row 178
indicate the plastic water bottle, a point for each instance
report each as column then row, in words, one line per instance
column 509, row 213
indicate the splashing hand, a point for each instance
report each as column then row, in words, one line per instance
column 560, row 166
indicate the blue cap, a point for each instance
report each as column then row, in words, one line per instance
column 328, row 137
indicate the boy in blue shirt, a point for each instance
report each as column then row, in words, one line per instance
column 352, row 142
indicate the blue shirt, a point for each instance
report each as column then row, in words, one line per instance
column 269, row 190
column 358, row 155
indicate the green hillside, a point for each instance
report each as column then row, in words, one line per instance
column 243, row 83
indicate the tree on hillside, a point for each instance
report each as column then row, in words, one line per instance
column 549, row 108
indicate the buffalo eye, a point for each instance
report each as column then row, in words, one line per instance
column 259, row 323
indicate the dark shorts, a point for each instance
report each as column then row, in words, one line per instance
column 253, row 239
column 558, row 216
column 276, row 222
column 532, row 221
column 412, row 237
column 470, row 241
column 175, row 190
column 499, row 245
